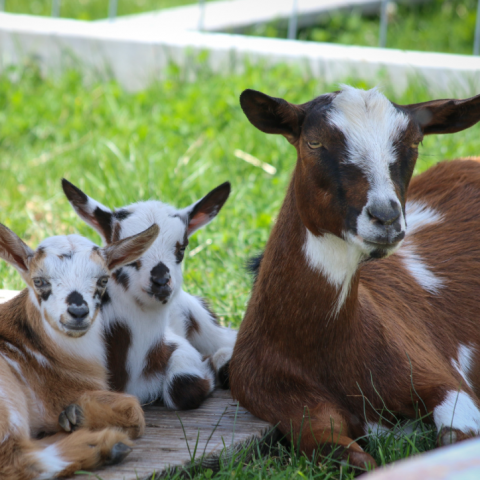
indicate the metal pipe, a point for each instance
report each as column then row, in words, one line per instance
column 201, row 15
column 476, row 44
column 382, row 42
column 55, row 8
column 112, row 9
column 293, row 21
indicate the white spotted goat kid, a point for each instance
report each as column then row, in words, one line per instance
column 161, row 341
column 53, row 376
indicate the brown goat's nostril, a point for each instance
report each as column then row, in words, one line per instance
column 384, row 214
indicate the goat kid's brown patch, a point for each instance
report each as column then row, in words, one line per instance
column 189, row 391
column 158, row 357
column 192, row 325
column 118, row 339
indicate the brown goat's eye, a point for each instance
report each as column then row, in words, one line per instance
column 314, row 144
column 414, row 145
column 102, row 282
column 40, row 282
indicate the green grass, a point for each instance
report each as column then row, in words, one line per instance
column 90, row 9
column 437, row 26
column 174, row 141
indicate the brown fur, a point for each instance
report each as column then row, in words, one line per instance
column 158, row 358
column 117, row 340
column 393, row 342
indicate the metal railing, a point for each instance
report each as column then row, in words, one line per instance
column 292, row 23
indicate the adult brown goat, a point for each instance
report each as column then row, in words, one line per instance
column 333, row 343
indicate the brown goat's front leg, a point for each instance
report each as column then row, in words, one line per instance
column 324, row 429
column 100, row 409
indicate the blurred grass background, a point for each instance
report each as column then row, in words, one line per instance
column 174, row 141
column 90, row 9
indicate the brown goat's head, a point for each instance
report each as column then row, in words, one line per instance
column 356, row 155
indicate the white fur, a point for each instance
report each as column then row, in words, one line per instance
column 371, row 125
column 419, row 216
column 458, row 411
column 336, row 259
column 420, row 270
column 51, row 461
column 464, row 362
column 148, row 319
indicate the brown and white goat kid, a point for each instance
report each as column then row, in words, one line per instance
column 158, row 334
column 365, row 306
column 53, row 376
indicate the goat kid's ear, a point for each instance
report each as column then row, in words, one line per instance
column 205, row 210
column 14, row 250
column 446, row 116
column 272, row 115
column 90, row 211
column 131, row 248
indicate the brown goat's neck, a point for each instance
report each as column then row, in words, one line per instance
column 292, row 296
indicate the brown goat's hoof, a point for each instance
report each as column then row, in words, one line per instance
column 71, row 418
column 361, row 460
column 449, row 436
column 118, row 452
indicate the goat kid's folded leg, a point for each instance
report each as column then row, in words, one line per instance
column 193, row 319
column 62, row 455
column 189, row 378
column 101, row 409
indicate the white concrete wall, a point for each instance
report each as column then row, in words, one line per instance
column 136, row 57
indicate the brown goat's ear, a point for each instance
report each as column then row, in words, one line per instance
column 205, row 210
column 131, row 248
column 272, row 115
column 98, row 216
column 14, row 250
column 446, row 116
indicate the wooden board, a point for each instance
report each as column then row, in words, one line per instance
column 203, row 438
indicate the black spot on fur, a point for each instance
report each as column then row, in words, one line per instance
column 253, row 265
column 104, row 220
column 211, row 203
column 118, row 340
column 224, row 376
column 121, row 214
column 188, row 391
column 75, row 298
column 180, row 248
column 106, row 298
column 45, row 294
column 74, row 194
column 136, row 265
column 95, row 249
column 121, row 278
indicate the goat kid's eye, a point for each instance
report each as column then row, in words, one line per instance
column 314, row 144
column 40, row 282
column 415, row 145
column 102, row 282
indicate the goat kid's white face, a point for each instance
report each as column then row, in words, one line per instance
column 155, row 278
column 356, row 155
column 67, row 275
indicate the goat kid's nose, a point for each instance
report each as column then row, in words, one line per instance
column 160, row 275
column 78, row 312
column 384, row 214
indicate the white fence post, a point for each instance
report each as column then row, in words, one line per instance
column 382, row 42
column 201, row 14
column 476, row 44
column 112, row 9
column 55, row 8
column 292, row 23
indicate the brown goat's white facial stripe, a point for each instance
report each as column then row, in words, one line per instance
column 371, row 125
column 464, row 363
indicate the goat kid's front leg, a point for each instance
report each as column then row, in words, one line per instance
column 189, row 379
column 96, row 410
column 193, row 319
column 456, row 412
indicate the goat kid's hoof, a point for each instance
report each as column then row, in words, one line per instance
column 71, row 418
column 224, row 376
column 449, row 436
column 117, row 454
